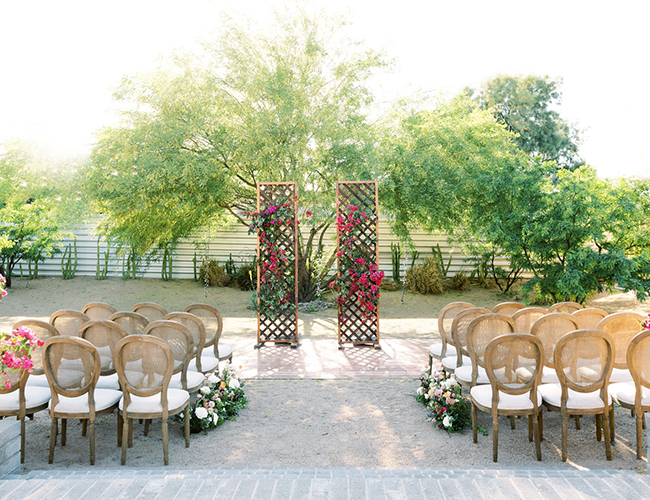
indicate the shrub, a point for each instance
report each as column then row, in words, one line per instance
column 212, row 273
column 246, row 276
column 425, row 278
column 460, row 281
column 390, row 285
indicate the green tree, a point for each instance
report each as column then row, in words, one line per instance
column 200, row 131
column 527, row 106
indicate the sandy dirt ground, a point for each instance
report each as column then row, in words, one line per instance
column 344, row 422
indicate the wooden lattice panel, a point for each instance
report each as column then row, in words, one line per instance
column 356, row 325
column 282, row 327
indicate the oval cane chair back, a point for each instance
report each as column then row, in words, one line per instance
column 459, row 329
column 179, row 339
column 508, row 308
column 480, row 332
column 565, row 307
column 150, row 310
column 550, row 328
column 589, row 317
column 68, row 322
column 133, row 323
column 445, row 320
column 212, row 321
column 638, row 362
column 525, row 318
column 623, row 327
column 194, row 325
column 98, row 310
column 43, row 331
column 104, row 335
column 72, row 366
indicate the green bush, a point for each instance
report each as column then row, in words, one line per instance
column 213, row 274
column 246, row 276
column 426, row 278
column 460, row 281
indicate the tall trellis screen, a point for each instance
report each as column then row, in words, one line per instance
column 277, row 267
column 356, row 201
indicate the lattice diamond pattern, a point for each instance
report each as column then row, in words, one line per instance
column 355, row 325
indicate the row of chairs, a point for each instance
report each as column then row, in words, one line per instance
column 67, row 374
column 472, row 329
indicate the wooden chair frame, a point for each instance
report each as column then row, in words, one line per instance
column 445, row 336
column 69, row 313
column 152, row 305
column 120, row 315
column 103, row 306
column 461, row 349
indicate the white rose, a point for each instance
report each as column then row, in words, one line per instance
column 446, row 421
column 234, row 383
column 201, row 412
column 215, row 418
column 213, row 379
column 420, row 390
column 205, row 389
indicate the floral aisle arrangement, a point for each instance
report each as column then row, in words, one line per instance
column 220, row 399
column 277, row 281
column 646, row 323
column 15, row 348
column 441, row 394
column 358, row 280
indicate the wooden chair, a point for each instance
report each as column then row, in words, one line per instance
column 213, row 323
column 508, row 308
column 565, row 307
column 589, row 317
column 458, row 334
column 635, row 395
column 480, row 333
column 68, row 322
column 623, row 327
column 144, row 365
column 525, row 318
column 550, row 328
column 98, row 310
column 445, row 319
column 508, row 393
column 198, row 362
column 21, row 399
column 150, row 310
column 583, row 361
column 72, row 366
column 133, row 323
column 179, row 339
column 43, row 331
column 104, row 335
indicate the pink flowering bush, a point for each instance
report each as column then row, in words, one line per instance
column 3, row 283
column 646, row 323
column 441, row 394
column 358, row 280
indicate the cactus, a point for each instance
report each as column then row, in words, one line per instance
column 101, row 273
column 68, row 266
column 396, row 255
column 437, row 255
column 166, row 271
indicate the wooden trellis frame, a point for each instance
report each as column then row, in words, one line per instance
column 352, row 326
column 284, row 327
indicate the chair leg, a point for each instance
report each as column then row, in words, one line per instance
column 64, row 431
column 430, row 361
column 536, row 432
column 165, row 444
column 474, row 422
column 125, row 437
column 565, row 432
column 639, row 436
column 608, row 444
column 84, row 427
column 92, row 441
column 612, row 434
column 146, row 426
column 120, row 423
column 599, row 428
column 512, row 421
column 130, row 439
column 530, row 428
column 22, row 440
column 54, row 427
column 495, row 437
column 187, row 427
column 540, row 423
column 577, row 419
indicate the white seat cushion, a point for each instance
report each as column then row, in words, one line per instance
column 194, row 381
column 37, row 381
column 436, row 350
column 225, row 352
column 104, row 398
column 176, row 398
column 552, row 393
column 208, row 364
column 620, row 375
column 34, row 396
column 449, row 362
column 625, row 392
column 464, row 375
column 108, row 382
column 482, row 394
column 549, row 376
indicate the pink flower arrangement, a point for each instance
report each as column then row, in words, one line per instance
column 646, row 323
column 15, row 350
column 3, row 281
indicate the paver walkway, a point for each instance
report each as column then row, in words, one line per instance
column 334, row 483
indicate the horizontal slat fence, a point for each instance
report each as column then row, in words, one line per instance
column 235, row 240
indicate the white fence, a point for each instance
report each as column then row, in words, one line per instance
column 236, row 241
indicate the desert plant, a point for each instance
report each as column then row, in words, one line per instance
column 425, row 278
column 396, row 255
column 246, row 276
column 460, row 281
column 230, row 267
column 101, row 273
column 166, row 271
column 437, row 255
column 68, row 265
column 213, row 274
